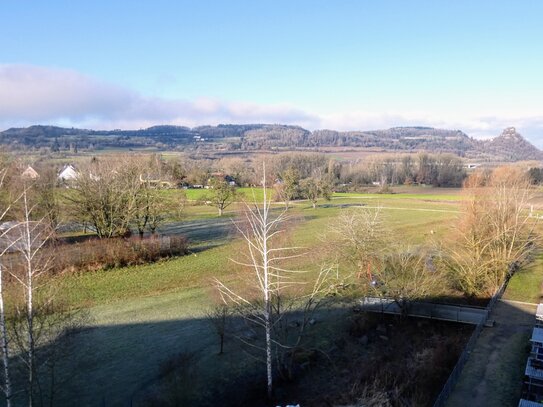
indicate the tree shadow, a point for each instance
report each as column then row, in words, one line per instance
column 129, row 363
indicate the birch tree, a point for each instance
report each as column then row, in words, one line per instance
column 265, row 258
column 4, row 339
column 28, row 239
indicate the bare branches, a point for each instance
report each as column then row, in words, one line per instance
column 495, row 233
column 359, row 236
column 266, row 258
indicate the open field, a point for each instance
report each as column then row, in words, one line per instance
column 148, row 314
column 415, row 220
column 154, row 311
column 526, row 284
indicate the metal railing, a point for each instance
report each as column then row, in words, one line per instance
column 420, row 309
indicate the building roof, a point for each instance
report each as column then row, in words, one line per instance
column 531, row 371
column 537, row 335
column 528, row 403
column 68, row 172
column 30, row 173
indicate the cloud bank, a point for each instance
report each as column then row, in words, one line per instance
column 38, row 95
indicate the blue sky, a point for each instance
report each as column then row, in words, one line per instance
column 473, row 65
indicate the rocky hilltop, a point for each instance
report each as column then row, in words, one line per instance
column 510, row 146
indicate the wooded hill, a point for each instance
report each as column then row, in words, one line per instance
column 509, row 146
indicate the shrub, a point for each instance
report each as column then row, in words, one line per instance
column 95, row 254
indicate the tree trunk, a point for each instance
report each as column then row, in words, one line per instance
column 268, row 349
column 4, row 343
column 28, row 249
column 220, row 211
column 30, row 318
column 267, row 299
column 314, row 203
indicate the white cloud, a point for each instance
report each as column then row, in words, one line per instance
column 33, row 94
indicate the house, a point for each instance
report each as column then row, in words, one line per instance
column 30, row 173
column 221, row 176
column 471, row 166
column 68, row 173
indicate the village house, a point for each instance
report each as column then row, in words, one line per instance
column 30, row 173
column 68, row 173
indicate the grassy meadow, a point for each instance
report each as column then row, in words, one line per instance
column 414, row 220
column 153, row 312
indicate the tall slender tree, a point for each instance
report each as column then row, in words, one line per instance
column 4, row 339
column 264, row 258
column 28, row 239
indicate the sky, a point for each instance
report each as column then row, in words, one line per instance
column 471, row 65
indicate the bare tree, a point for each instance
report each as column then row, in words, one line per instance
column 46, row 196
column 221, row 195
column 40, row 325
column 314, row 188
column 266, row 259
column 407, row 275
column 105, row 194
column 28, row 240
column 495, row 232
column 289, row 187
column 4, row 339
column 360, row 236
column 148, row 209
column 398, row 272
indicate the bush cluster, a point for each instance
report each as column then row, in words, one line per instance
column 95, row 254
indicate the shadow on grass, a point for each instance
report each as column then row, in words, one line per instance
column 177, row 361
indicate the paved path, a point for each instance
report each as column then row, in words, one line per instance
column 494, row 372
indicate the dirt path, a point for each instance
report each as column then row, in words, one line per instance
column 494, row 371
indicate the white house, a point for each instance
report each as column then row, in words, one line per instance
column 68, row 173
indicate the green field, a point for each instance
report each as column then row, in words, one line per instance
column 148, row 313
column 526, row 284
column 414, row 220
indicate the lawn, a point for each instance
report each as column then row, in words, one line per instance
column 415, row 222
column 525, row 285
column 139, row 316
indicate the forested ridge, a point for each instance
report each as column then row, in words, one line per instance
column 510, row 145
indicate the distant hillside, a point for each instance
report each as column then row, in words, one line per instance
column 509, row 146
